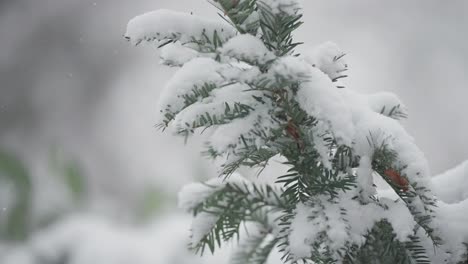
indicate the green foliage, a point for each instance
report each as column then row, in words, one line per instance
column 232, row 205
column 237, row 110
column 71, row 173
column 152, row 202
column 17, row 223
column 238, row 13
column 277, row 30
column 197, row 93
column 74, row 180
column 381, row 247
column 249, row 156
column 322, row 182
column 208, row 44
column 320, row 251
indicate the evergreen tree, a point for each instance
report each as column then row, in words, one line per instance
column 243, row 84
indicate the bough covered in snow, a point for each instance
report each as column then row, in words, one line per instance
column 242, row 83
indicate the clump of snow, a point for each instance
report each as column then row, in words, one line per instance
column 364, row 177
column 165, row 24
column 370, row 129
column 327, row 57
column 387, row 104
column 311, row 222
column 320, row 98
column 194, row 194
column 247, row 48
column 195, row 73
column 452, row 185
column 239, row 71
column 399, row 216
column 229, row 138
column 290, row 67
column 175, row 54
column 202, row 225
column 288, row 7
column 301, row 233
column 380, row 130
column 335, row 224
column 452, row 222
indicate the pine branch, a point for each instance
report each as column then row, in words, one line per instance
column 249, row 156
column 237, row 110
column 164, row 27
column 397, row 112
column 417, row 251
column 277, row 29
column 255, row 248
column 206, row 43
column 308, row 177
column 232, row 205
column 384, row 160
column 238, row 13
column 381, row 247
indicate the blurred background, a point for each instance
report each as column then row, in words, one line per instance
column 86, row 178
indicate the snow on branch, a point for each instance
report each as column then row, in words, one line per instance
column 329, row 58
column 247, row 48
column 175, row 54
column 452, row 222
column 167, row 25
column 331, row 227
column 319, row 98
column 223, row 106
column 221, row 207
column 242, row 134
column 387, row 104
column 194, row 76
column 452, row 186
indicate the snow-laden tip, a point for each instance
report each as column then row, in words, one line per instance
column 327, row 57
column 247, row 48
column 166, row 24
